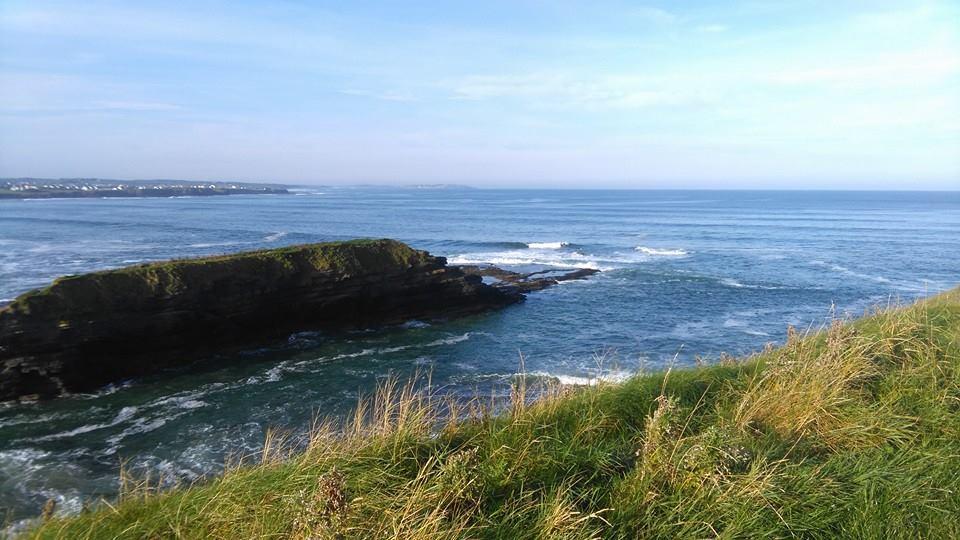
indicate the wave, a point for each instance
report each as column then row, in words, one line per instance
column 415, row 324
column 730, row 282
column 661, row 252
column 547, row 245
column 215, row 244
column 742, row 326
column 125, row 414
column 450, row 340
column 846, row 271
column 584, row 380
column 276, row 373
column 274, row 236
column 521, row 260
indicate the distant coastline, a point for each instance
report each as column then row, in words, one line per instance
column 44, row 188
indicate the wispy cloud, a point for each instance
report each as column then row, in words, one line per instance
column 380, row 95
column 563, row 90
column 134, row 106
column 712, row 28
column 652, row 14
column 910, row 68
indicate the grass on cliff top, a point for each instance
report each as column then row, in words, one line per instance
column 852, row 432
column 143, row 282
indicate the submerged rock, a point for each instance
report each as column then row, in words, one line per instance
column 85, row 331
column 520, row 283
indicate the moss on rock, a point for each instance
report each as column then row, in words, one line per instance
column 134, row 285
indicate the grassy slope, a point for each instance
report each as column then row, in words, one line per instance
column 853, row 432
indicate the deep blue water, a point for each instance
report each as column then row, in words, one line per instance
column 684, row 273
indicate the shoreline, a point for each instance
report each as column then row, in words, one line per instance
column 755, row 403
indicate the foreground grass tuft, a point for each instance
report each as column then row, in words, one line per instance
column 853, row 432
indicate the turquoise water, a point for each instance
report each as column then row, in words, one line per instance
column 684, row 273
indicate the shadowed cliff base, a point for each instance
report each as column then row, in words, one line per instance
column 85, row 331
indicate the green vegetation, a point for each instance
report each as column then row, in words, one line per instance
column 136, row 285
column 852, row 432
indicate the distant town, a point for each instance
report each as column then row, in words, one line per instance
column 45, row 188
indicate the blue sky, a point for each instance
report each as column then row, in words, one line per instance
column 518, row 93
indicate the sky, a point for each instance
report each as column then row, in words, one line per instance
column 516, row 93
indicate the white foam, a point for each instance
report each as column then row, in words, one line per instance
column 449, row 341
column 588, row 380
column 730, row 282
column 547, row 245
column 415, row 324
column 742, row 327
column 525, row 258
column 274, row 237
column 140, row 427
column 125, row 414
column 846, row 271
column 656, row 252
column 193, row 404
column 365, row 352
column 214, row 244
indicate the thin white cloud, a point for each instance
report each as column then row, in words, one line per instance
column 562, row 90
column 652, row 14
column 712, row 28
column 383, row 96
column 134, row 106
column 894, row 69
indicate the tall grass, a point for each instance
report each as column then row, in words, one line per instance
column 851, row 432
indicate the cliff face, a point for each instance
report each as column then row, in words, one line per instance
column 85, row 331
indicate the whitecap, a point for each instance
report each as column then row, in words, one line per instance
column 547, row 245
column 213, row 244
column 364, row 352
column 585, row 380
column 846, row 271
column 657, row 252
column 125, row 414
column 730, row 282
column 517, row 258
column 415, row 324
column 449, row 341
column 274, row 236
column 140, row 427
column 192, row 404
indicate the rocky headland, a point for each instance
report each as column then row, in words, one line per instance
column 82, row 332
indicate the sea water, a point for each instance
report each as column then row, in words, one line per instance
column 683, row 274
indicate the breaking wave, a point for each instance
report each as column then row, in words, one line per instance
column 661, row 252
column 547, row 245
column 274, row 236
column 848, row 272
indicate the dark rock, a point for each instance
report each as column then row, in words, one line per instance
column 521, row 283
column 85, row 331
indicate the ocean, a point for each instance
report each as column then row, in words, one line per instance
column 685, row 276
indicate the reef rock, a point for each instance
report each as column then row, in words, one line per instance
column 85, row 331
column 517, row 282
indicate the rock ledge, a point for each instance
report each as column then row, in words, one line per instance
column 82, row 332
